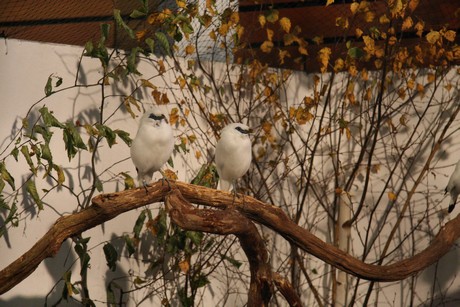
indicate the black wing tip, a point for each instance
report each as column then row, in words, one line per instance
column 451, row 208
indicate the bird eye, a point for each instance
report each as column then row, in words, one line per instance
column 243, row 131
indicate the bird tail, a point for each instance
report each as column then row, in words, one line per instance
column 225, row 185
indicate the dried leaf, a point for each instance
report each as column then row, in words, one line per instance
column 266, row 46
column 285, row 24
column 392, row 196
column 433, row 36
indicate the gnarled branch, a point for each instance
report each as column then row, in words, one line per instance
column 108, row 206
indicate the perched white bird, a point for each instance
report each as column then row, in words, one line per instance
column 233, row 154
column 453, row 187
column 152, row 146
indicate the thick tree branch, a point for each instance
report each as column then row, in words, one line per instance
column 228, row 221
column 108, row 206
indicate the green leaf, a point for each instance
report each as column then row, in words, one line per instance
column 131, row 64
column 107, row 133
column 129, row 181
column 99, row 186
column 111, row 256
column 49, row 119
column 31, row 188
column 199, row 281
column 130, row 246
column 151, row 44
column 124, row 136
column 138, row 13
column 105, row 29
column 58, row 82
column 2, row 186
column 49, row 86
column 139, row 223
column 355, row 52
column 195, row 236
column 46, row 153
column 72, row 140
column 122, row 24
column 234, row 262
column 164, row 43
column 46, row 134
column 6, row 175
column 15, row 153
column 26, row 154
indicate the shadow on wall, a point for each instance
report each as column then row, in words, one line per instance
column 56, row 267
column 442, row 276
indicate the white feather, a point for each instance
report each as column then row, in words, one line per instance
column 152, row 146
column 233, row 154
column 453, row 187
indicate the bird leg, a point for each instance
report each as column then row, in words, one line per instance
column 145, row 185
column 163, row 179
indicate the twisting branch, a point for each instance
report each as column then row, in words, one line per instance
column 108, row 206
column 224, row 222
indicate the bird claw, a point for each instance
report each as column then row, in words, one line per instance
column 145, row 185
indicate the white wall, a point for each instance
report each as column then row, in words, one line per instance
column 25, row 67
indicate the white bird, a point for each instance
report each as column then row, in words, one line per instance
column 152, row 146
column 453, row 187
column 233, row 154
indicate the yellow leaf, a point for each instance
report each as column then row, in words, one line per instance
column 161, row 67
column 303, row 50
column 419, row 26
column 180, row 3
column 189, row 49
column 384, row 19
column 174, row 116
column 270, row 34
column 392, row 196
column 282, row 54
column 147, row 83
column 339, row 64
column 358, row 32
column 431, row 77
column 369, row 16
column 329, row 2
column 213, row 35
column 140, row 34
column 354, row 7
column 262, row 20
column 375, row 168
column 392, row 40
column 433, row 37
column 342, row 22
column 396, row 7
column 407, row 23
column 285, row 24
column 403, row 120
column 235, row 18
column 181, row 81
column 323, row 57
column 197, row 154
column 169, row 174
column 449, row 35
column 266, row 46
column 420, row 88
column 413, row 4
column 223, row 29
column 267, row 127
